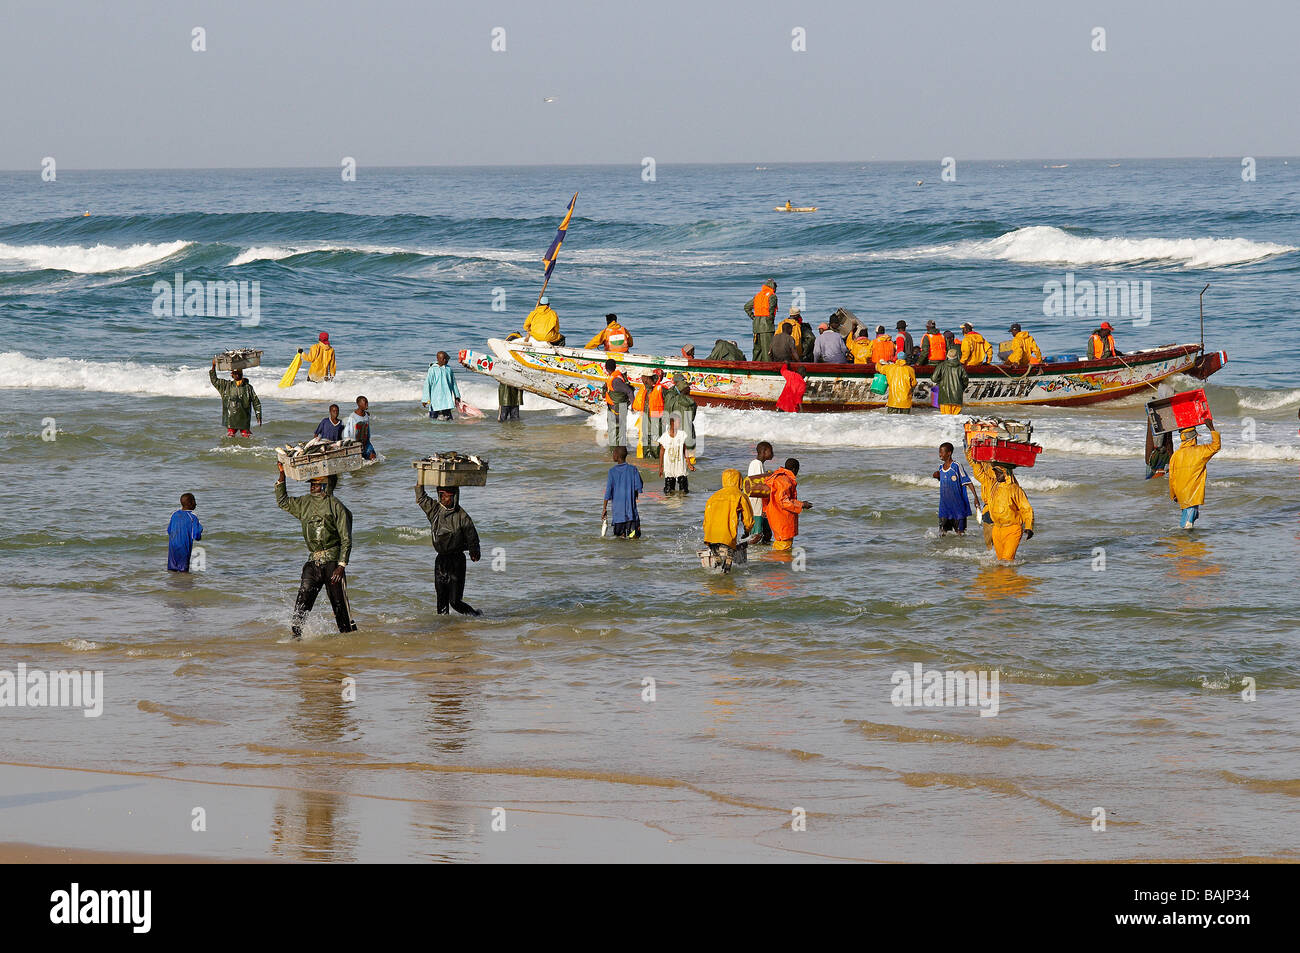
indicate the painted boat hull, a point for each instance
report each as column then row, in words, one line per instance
column 576, row 377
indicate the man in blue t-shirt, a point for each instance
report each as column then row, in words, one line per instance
column 331, row 428
column 953, row 481
column 622, row 488
column 182, row 532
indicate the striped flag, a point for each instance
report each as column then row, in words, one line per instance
column 553, row 252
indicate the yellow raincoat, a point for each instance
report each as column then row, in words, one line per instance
column 1187, row 469
column 985, row 477
column 543, row 324
column 975, row 350
column 902, row 379
column 321, row 361
column 1012, row 515
column 726, row 510
column 1024, row 350
column 860, row 348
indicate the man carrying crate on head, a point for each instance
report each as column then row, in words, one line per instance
column 327, row 531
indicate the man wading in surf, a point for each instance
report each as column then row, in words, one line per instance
column 327, row 530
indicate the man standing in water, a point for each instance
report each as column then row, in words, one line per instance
column 238, row 402
column 183, row 532
column 1187, row 472
column 1013, row 517
column 622, row 487
column 441, row 392
column 453, row 533
column 327, row 530
column 762, row 310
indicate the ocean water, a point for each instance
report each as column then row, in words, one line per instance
column 1121, row 643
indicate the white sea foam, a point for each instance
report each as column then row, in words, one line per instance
column 1029, row 482
column 1269, row 400
column 17, row 371
column 1044, row 245
column 85, row 260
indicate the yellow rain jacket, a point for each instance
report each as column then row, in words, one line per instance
column 543, row 324
column 1024, row 350
column 321, row 361
column 975, row 350
column 1187, row 469
column 1012, row 517
column 860, row 348
column 902, row 379
column 726, row 510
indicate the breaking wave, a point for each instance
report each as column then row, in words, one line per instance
column 87, row 260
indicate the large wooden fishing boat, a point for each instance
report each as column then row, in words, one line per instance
column 576, row 376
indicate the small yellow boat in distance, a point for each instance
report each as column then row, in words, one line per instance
column 787, row 207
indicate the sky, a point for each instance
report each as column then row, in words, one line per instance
column 292, row 83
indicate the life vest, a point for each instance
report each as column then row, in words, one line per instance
column 882, row 349
column 616, row 338
column 657, row 397
column 609, row 386
column 1099, row 346
column 938, row 349
column 638, row 401
column 763, row 302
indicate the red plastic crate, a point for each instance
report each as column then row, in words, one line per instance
column 1006, row 451
column 1187, row 409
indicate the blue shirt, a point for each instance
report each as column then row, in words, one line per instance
column 952, row 492
column 621, row 490
column 182, row 531
column 329, row 430
column 440, row 389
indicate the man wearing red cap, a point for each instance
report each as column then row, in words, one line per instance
column 1102, row 344
column 321, row 359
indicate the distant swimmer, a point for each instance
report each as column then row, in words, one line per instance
column 614, row 338
column 762, row 310
column 327, row 531
column 183, row 532
column 542, row 324
column 320, row 360
column 725, row 514
column 238, row 402
column 622, row 487
column 453, row 533
column 1187, row 472
column 441, row 392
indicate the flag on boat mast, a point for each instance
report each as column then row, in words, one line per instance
column 553, row 252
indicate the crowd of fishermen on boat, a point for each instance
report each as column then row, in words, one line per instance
column 841, row 339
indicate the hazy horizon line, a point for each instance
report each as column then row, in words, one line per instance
column 636, row 164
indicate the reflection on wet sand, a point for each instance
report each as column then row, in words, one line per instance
column 312, row 825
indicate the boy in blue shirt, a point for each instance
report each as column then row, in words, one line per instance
column 182, row 532
column 331, row 428
column 441, row 392
column 953, row 481
column 622, row 488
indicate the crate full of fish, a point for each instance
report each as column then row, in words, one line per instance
column 239, row 359
column 320, row 458
column 451, row 469
column 1006, row 442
